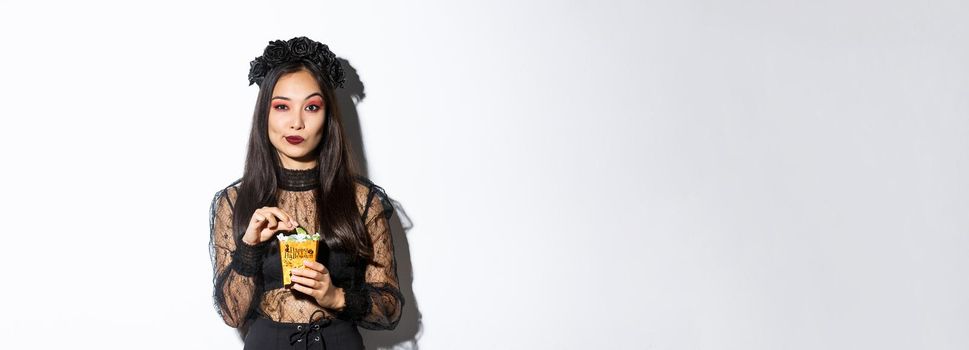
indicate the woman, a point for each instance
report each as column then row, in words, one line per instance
column 299, row 172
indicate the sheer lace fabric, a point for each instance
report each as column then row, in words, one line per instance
column 372, row 292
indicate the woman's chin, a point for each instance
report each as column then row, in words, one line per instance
column 299, row 155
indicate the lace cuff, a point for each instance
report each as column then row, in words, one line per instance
column 357, row 303
column 247, row 259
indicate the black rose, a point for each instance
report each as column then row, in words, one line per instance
column 297, row 49
column 323, row 60
column 325, row 52
column 302, row 46
column 336, row 74
column 257, row 70
column 276, row 52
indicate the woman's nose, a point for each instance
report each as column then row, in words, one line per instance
column 297, row 122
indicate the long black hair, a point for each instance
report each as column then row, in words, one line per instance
column 337, row 210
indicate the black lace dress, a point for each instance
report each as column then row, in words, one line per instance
column 248, row 288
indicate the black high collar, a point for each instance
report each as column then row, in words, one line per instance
column 298, row 180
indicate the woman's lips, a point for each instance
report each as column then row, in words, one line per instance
column 294, row 139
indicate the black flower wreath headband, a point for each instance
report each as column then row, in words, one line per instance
column 299, row 48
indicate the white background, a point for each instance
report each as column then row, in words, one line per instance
column 583, row 174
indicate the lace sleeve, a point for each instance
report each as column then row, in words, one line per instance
column 377, row 302
column 236, row 276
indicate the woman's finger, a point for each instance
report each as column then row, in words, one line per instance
column 282, row 225
column 269, row 215
column 309, row 282
column 306, row 290
column 280, row 214
column 257, row 223
column 308, row 273
column 316, row 266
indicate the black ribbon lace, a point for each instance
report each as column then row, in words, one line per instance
column 314, row 329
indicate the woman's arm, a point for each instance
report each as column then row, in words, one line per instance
column 376, row 303
column 236, row 264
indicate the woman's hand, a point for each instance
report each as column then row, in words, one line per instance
column 315, row 282
column 265, row 222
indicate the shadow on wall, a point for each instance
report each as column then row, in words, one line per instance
column 409, row 328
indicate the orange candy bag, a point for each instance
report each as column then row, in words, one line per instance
column 293, row 249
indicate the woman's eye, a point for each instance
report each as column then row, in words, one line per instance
column 313, row 108
column 281, row 107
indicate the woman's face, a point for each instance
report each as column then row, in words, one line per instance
column 296, row 112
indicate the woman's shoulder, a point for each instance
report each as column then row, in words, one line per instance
column 366, row 187
column 228, row 192
column 370, row 196
column 223, row 204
